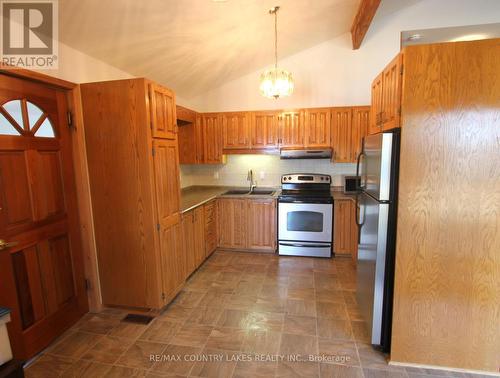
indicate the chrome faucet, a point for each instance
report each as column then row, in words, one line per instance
column 250, row 179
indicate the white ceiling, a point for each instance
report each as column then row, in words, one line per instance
column 195, row 45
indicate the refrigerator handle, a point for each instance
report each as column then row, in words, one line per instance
column 358, row 213
column 358, row 162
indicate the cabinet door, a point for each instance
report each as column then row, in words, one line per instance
column 264, row 130
column 163, row 112
column 342, row 226
column 341, row 135
column 391, row 93
column 261, row 226
column 291, row 128
column 212, row 139
column 210, row 214
column 317, row 127
column 166, row 172
column 360, row 122
column 172, row 261
column 199, row 235
column 199, row 144
column 232, row 215
column 377, row 104
column 236, row 130
column 188, row 243
column 187, row 144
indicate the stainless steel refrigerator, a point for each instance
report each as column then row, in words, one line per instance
column 378, row 168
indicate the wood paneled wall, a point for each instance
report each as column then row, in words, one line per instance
column 447, row 292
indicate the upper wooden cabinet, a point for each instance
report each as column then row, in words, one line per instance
column 236, row 130
column 359, row 129
column 291, row 129
column 341, row 134
column 137, row 181
column 264, row 130
column 163, row 112
column 386, row 97
column 211, row 126
column 317, row 127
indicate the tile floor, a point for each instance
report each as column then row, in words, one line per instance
column 236, row 308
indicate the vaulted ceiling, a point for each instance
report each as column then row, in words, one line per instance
column 195, row 45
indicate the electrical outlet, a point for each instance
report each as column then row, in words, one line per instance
column 262, row 175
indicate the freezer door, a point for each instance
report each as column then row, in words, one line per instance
column 375, row 165
column 371, row 263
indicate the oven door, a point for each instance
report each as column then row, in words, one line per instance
column 305, row 222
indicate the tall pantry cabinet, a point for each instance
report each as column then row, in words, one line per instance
column 132, row 151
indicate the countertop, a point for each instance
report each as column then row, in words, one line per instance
column 197, row 195
column 194, row 196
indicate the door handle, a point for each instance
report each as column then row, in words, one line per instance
column 4, row 244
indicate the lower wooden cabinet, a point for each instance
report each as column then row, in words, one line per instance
column 210, row 215
column 193, row 230
column 247, row 224
column 172, row 261
column 345, row 239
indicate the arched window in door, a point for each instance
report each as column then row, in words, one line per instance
column 22, row 117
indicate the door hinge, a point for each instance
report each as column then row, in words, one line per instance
column 158, row 226
column 153, row 151
column 163, row 296
column 399, row 110
column 70, row 119
column 401, row 71
column 87, row 284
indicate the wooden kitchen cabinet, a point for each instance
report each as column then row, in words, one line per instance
column 134, row 185
column 211, row 125
column 172, row 260
column 247, row 224
column 188, row 132
column 261, row 225
column 163, row 112
column 210, row 214
column 317, row 127
column 359, row 129
column 199, row 235
column 345, row 240
column 291, row 129
column 386, row 97
column 189, row 244
column 341, row 134
column 236, row 130
column 232, row 218
column 264, row 130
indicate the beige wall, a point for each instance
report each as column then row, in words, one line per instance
column 267, row 170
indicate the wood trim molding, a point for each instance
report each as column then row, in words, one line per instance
column 362, row 21
column 84, row 201
column 36, row 76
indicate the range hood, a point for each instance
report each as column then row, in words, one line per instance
column 306, row 154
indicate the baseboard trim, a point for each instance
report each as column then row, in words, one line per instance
column 434, row 367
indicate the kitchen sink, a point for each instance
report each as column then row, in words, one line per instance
column 235, row 192
column 261, row 192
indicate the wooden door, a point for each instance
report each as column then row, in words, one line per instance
column 41, row 266
column 291, row 129
column 342, row 226
column 167, row 182
column 187, row 144
column 359, row 129
column 172, row 261
column 163, row 112
column 212, row 139
column 261, row 225
column 232, row 215
column 391, row 93
column 199, row 235
column 210, row 215
column 341, row 134
column 375, row 125
column 317, row 128
column 236, row 130
column 264, row 129
column 199, row 144
column 189, row 243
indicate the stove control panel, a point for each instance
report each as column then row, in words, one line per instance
column 306, row 178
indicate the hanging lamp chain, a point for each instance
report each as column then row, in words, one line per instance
column 276, row 38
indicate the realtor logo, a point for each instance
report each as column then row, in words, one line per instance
column 29, row 33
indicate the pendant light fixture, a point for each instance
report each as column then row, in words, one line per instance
column 276, row 83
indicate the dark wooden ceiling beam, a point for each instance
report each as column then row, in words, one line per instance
column 362, row 21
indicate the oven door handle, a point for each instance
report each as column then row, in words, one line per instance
column 304, row 245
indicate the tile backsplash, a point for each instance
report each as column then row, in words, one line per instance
column 267, row 170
